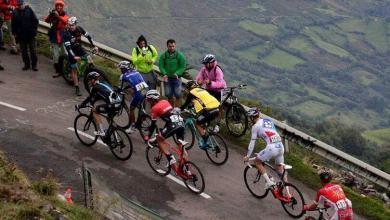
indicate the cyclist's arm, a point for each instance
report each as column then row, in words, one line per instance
column 199, row 77
column 187, row 102
column 219, row 82
column 68, row 44
column 152, row 127
column 87, row 35
column 252, row 142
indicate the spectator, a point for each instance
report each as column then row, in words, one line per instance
column 143, row 57
column 7, row 7
column 1, row 29
column 58, row 20
column 172, row 64
column 211, row 77
column 25, row 28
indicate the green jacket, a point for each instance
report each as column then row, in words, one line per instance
column 140, row 60
column 171, row 64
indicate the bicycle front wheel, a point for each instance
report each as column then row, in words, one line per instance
column 254, row 182
column 218, row 152
column 120, row 144
column 144, row 123
column 65, row 69
column 295, row 203
column 157, row 160
column 194, row 180
column 84, row 127
column 122, row 118
column 236, row 120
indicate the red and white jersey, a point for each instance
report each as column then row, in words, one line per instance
column 332, row 196
column 161, row 108
column 265, row 129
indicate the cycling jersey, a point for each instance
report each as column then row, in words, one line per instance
column 265, row 129
column 332, row 196
column 174, row 122
column 135, row 81
column 201, row 99
column 104, row 92
column 72, row 41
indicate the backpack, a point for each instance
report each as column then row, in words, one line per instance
column 149, row 49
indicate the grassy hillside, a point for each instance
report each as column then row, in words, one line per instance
column 380, row 136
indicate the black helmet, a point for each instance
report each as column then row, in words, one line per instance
column 93, row 75
column 209, row 58
column 325, row 176
column 191, row 84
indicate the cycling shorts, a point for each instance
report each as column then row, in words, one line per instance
column 170, row 129
column 275, row 151
column 206, row 116
column 138, row 97
column 73, row 61
column 109, row 109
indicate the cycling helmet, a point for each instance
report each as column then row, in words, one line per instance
column 253, row 112
column 93, row 75
column 153, row 94
column 191, row 84
column 72, row 21
column 325, row 176
column 124, row 64
column 209, row 58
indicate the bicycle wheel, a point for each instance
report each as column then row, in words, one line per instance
column 189, row 136
column 84, row 127
column 65, row 69
column 294, row 207
column 254, row 182
column 195, row 181
column 122, row 118
column 103, row 78
column 236, row 120
column 120, row 143
column 144, row 123
column 218, row 152
column 157, row 161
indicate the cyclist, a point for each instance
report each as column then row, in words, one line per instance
column 332, row 196
column 211, row 76
column 206, row 108
column 101, row 92
column 174, row 124
column 72, row 43
column 138, row 86
column 265, row 129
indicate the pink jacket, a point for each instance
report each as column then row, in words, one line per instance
column 215, row 75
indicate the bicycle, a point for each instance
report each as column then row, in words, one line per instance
column 84, row 66
column 187, row 170
column 236, row 118
column 115, row 138
column 217, row 153
column 321, row 210
column 288, row 194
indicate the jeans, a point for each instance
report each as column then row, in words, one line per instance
column 57, row 50
column 173, row 88
column 26, row 46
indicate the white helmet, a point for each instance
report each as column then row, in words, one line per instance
column 153, row 94
column 72, row 21
column 124, row 64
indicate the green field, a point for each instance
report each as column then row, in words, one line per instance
column 251, row 53
column 331, row 34
column 301, row 44
column 352, row 25
column 263, row 30
column 380, row 136
column 365, row 78
column 376, row 34
column 328, row 47
column 313, row 108
column 283, row 60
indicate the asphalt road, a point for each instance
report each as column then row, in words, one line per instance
column 38, row 140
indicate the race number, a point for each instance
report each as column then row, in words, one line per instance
column 177, row 120
column 141, row 86
column 341, row 204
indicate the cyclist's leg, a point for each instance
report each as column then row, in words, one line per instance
column 135, row 102
column 97, row 110
column 264, row 155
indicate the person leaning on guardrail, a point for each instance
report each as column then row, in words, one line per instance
column 172, row 64
column 25, row 28
column 143, row 57
column 58, row 19
column 7, row 7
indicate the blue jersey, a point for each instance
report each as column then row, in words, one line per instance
column 134, row 79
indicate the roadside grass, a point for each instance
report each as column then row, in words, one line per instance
column 263, row 30
column 301, row 44
column 379, row 136
column 283, row 60
column 21, row 199
column 328, row 47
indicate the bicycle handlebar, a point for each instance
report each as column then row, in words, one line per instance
column 240, row 86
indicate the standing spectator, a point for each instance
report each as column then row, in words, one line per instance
column 1, row 29
column 7, row 7
column 172, row 64
column 211, row 77
column 58, row 20
column 143, row 57
column 25, row 28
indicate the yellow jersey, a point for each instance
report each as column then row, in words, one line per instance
column 203, row 100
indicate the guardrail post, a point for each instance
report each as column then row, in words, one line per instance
column 285, row 141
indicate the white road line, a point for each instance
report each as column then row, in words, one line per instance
column 180, row 182
column 12, row 106
column 88, row 136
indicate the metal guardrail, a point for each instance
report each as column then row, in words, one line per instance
column 291, row 134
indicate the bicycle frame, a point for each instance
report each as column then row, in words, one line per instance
column 191, row 122
column 183, row 158
column 230, row 95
